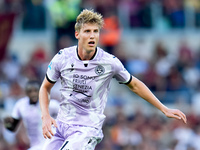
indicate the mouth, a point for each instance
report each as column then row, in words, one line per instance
column 91, row 43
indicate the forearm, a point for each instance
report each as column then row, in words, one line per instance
column 44, row 101
column 143, row 91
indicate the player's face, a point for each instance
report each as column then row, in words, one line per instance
column 88, row 37
column 33, row 93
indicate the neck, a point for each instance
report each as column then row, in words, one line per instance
column 85, row 54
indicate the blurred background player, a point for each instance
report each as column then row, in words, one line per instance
column 27, row 109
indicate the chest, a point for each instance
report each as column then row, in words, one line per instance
column 31, row 114
column 81, row 73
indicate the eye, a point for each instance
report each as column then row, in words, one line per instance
column 87, row 31
column 96, row 31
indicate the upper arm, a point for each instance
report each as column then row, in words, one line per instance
column 120, row 73
column 46, row 85
column 137, row 86
column 133, row 83
column 44, row 93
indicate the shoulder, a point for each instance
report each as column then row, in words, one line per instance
column 105, row 55
column 22, row 102
column 110, row 59
column 67, row 51
column 63, row 54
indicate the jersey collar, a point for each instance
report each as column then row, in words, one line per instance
column 91, row 57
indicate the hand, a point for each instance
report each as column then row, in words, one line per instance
column 175, row 113
column 47, row 121
column 8, row 121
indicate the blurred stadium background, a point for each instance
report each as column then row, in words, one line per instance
column 158, row 41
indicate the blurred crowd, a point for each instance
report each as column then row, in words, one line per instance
column 175, row 79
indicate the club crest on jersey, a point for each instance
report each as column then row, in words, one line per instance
column 99, row 70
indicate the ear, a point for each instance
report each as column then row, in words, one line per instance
column 77, row 34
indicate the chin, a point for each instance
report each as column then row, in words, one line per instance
column 92, row 48
column 34, row 100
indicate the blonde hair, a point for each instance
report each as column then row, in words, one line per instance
column 88, row 16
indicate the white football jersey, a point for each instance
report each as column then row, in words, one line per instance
column 30, row 114
column 85, row 84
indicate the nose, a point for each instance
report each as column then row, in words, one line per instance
column 92, row 35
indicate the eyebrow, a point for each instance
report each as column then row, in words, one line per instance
column 90, row 29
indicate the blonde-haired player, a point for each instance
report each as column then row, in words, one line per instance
column 85, row 71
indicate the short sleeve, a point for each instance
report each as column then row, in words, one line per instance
column 53, row 70
column 16, row 111
column 121, row 74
